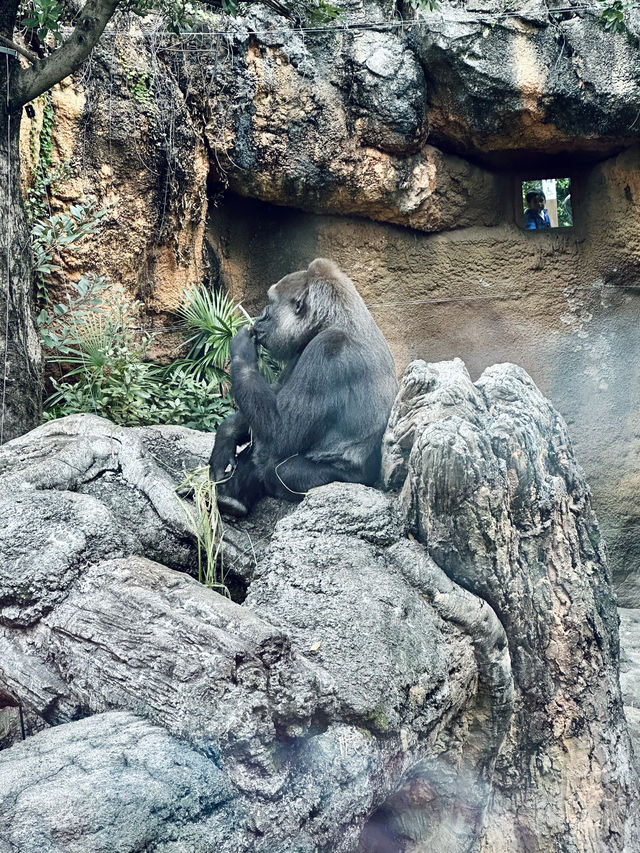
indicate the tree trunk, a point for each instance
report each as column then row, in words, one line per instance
column 20, row 355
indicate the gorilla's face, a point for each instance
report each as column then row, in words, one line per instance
column 284, row 327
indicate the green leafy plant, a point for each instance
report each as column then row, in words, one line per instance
column 140, row 85
column 210, row 320
column 41, row 147
column 57, row 322
column 204, row 522
column 107, row 369
column 60, row 231
column 183, row 400
column 43, row 17
column 109, row 374
column 50, row 234
column 613, row 15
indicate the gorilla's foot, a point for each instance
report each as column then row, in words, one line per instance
column 231, row 506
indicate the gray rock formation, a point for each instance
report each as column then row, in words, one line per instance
column 111, row 782
column 372, row 692
column 490, row 485
column 630, row 672
column 529, row 80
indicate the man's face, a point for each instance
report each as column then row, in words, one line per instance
column 540, row 203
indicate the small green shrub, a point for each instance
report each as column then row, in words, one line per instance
column 140, row 85
column 57, row 323
column 111, row 376
column 50, row 234
column 183, row 400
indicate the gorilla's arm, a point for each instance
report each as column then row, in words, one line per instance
column 256, row 399
column 329, row 385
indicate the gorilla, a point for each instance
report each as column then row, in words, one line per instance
column 325, row 417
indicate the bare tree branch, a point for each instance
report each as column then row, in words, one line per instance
column 21, row 50
column 45, row 73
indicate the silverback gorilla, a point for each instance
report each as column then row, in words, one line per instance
column 324, row 419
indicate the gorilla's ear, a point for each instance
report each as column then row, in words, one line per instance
column 326, row 288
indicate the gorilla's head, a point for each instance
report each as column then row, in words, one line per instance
column 301, row 305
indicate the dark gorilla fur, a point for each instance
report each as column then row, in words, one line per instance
column 324, row 419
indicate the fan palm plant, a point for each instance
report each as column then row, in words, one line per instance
column 210, row 319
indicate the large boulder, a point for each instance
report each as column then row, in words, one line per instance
column 110, row 783
column 489, row 483
column 433, row 669
column 313, row 723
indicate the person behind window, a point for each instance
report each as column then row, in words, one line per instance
column 542, row 200
column 535, row 216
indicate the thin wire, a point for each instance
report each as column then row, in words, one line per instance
column 361, row 25
column 8, row 296
column 432, row 300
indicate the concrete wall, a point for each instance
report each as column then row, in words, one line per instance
column 564, row 305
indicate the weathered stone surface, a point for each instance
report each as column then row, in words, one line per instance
column 110, row 783
column 84, row 472
column 630, row 672
column 373, row 691
column 534, row 82
column 134, row 635
column 323, row 563
column 124, row 138
column 245, row 540
column 314, row 723
column 94, row 490
column 494, row 492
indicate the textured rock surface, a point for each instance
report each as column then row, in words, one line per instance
column 490, row 485
column 93, row 481
column 79, row 489
column 109, row 783
column 373, row 692
column 630, row 672
column 313, row 723
column 346, row 121
column 534, row 82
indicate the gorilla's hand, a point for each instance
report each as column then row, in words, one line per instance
column 223, row 463
column 243, row 347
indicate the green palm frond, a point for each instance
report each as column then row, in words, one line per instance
column 210, row 319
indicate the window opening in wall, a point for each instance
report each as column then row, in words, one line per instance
column 546, row 203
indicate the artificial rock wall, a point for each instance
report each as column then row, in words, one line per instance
column 240, row 152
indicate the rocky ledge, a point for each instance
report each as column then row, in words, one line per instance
column 435, row 667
